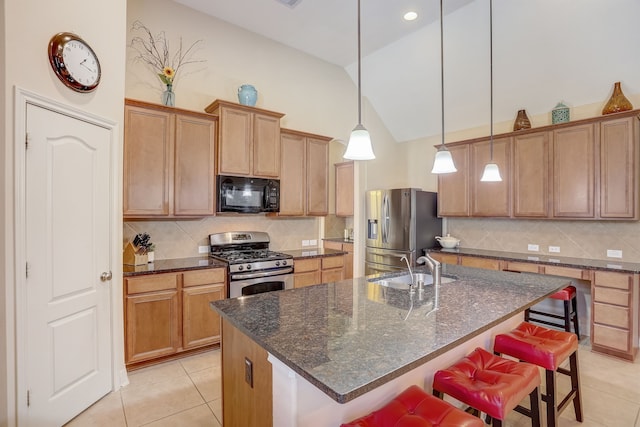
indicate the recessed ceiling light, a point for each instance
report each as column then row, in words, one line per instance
column 410, row 16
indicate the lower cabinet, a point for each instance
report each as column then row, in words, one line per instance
column 313, row 271
column 348, row 258
column 168, row 313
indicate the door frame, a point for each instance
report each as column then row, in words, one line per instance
column 17, row 345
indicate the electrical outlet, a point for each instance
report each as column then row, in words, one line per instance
column 534, row 248
column 203, row 249
column 614, row 253
column 248, row 372
column 554, row 249
column 305, row 243
column 313, row 242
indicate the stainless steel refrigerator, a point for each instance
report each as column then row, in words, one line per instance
column 400, row 222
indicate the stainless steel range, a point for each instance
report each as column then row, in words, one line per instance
column 253, row 268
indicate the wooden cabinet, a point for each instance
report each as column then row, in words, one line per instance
column 248, row 140
column 313, row 271
column 588, row 169
column 574, row 152
column 344, row 188
column 453, row 188
column 444, row 258
column 348, row 258
column 168, row 162
column 490, row 199
column 169, row 313
column 304, row 181
column 478, row 262
column 615, row 314
column 531, row 175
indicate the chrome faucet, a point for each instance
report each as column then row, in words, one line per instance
column 436, row 271
column 404, row 258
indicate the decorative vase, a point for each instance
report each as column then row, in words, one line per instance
column 247, row 95
column 618, row 102
column 169, row 97
column 522, row 121
column 560, row 114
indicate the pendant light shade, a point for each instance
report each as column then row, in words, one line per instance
column 359, row 146
column 443, row 162
column 491, row 171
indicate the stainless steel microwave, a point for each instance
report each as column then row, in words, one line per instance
column 248, row 195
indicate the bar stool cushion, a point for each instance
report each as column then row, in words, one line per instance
column 488, row 382
column 416, row 408
column 534, row 344
column 565, row 294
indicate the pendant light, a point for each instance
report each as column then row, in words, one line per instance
column 359, row 146
column 443, row 162
column 491, row 172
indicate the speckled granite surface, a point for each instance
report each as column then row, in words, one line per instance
column 350, row 337
column 313, row 253
column 589, row 264
column 171, row 265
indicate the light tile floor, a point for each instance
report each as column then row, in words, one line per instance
column 187, row 392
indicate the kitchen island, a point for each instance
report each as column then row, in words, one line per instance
column 336, row 351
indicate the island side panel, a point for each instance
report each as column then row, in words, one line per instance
column 244, row 404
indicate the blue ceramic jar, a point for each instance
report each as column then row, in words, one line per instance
column 247, row 95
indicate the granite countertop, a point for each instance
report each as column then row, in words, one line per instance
column 338, row 239
column 313, row 252
column 584, row 263
column 350, row 337
column 171, row 265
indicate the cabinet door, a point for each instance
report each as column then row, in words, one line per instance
column 234, row 148
column 317, row 177
column 200, row 324
column 453, row 188
column 147, row 161
column 344, row 189
column 531, row 175
column 152, row 325
column 574, row 164
column 491, row 198
column 618, row 166
column 266, row 146
column 293, row 179
column 194, row 177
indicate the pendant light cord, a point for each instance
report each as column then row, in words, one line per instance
column 490, row 73
column 359, row 72
column 441, row 70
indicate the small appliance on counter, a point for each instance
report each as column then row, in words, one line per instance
column 400, row 222
column 252, row 267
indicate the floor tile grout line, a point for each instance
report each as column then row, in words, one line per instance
column 176, row 413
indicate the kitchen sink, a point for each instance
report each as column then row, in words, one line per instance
column 403, row 282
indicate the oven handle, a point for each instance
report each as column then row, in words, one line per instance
column 242, row 276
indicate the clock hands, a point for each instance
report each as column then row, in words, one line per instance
column 86, row 66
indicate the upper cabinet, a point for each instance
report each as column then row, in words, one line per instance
column 304, row 179
column 168, row 162
column 344, row 188
column 248, row 140
column 587, row 169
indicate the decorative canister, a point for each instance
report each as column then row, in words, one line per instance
column 560, row 114
column 247, row 95
column 522, row 121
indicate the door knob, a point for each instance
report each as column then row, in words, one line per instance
column 106, row 276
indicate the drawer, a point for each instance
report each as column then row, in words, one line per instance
column 302, row 265
column 611, row 315
column 204, row 277
column 333, row 262
column 332, row 245
column 486, row 263
column 611, row 337
column 611, row 296
column 301, row 280
column 329, row 276
column 553, row 270
column 151, row 282
column 524, row 267
column 444, row 258
column 612, row 280
column 347, row 247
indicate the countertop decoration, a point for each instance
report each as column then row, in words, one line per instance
column 154, row 51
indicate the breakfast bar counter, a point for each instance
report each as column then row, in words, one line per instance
column 335, row 348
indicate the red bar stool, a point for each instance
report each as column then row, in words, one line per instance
column 569, row 298
column 549, row 349
column 491, row 384
column 416, row 408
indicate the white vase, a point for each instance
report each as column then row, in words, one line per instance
column 150, row 256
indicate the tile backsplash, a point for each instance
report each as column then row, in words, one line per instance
column 181, row 239
column 582, row 239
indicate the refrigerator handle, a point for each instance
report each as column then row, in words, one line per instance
column 385, row 219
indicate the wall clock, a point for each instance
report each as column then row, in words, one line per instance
column 74, row 62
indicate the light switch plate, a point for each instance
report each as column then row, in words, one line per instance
column 614, row 253
column 305, row 243
column 534, row 248
column 554, row 249
column 313, row 242
column 203, row 249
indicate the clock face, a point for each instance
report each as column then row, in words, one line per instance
column 74, row 62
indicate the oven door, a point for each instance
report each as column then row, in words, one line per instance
column 255, row 282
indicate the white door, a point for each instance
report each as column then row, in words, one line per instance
column 68, row 343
